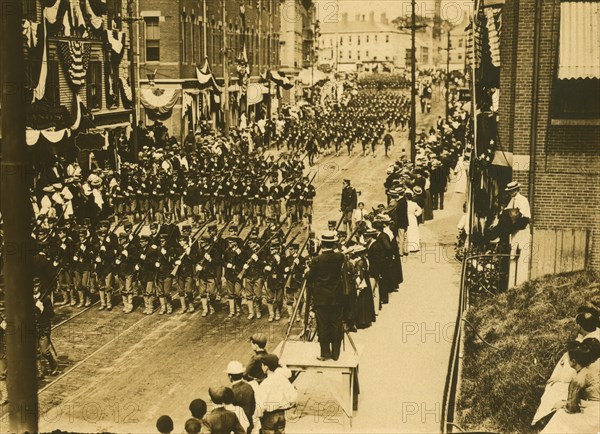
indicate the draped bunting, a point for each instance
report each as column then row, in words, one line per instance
column 159, row 100
column 75, row 56
column 116, row 40
column 493, row 25
column 40, row 89
column 30, row 29
column 187, row 103
column 206, row 78
column 32, row 136
column 280, row 79
column 51, row 12
column 95, row 20
column 126, row 90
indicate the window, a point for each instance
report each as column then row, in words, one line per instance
column 349, row 54
column 29, row 10
column 375, row 38
column 408, row 57
column 367, row 55
column 367, row 39
column 93, row 82
column 425, row 55
column 460, row 42
column 152, row 39
column 341, row 55
column 341, row 41
column 576, row 88
column 114, row 9
column 358, row 55
column 459, row 56
column 349, row 40
column 387, row 39
column 358, row 40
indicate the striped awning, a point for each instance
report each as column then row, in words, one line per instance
column 579, row 51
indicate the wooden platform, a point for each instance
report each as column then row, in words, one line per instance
column 301, row 356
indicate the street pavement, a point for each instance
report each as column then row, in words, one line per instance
column 134, row 370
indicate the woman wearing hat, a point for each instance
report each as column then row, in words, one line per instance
column 412, row 233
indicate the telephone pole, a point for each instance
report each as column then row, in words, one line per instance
column 447, row 81
column 20, row 332
column 225, row 72
column 413, row 86
column 131, row 19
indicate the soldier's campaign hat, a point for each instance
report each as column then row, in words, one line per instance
column 511, row 186
column 342, row 233
column 234, row 239
column 122, row 235
column 254, row 232
column 233, row 229
column 104, row 222
column 331, row 223
column 206, row 238
column 234, row 367
column 163, row 237
column 347, row 181
column 329, row 237
column 212, row 227
column 153, row 225
column 127, row 225
column 274, row 244
column 294, row 246
column 186, row 228
column 258, row 339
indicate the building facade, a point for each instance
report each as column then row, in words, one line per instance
column 76, row 72
column 367, row 45
column 178, row 36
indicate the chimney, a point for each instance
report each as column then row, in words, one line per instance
column 344, row 17
column 384, row 19
column 372, row 17
column 357, row 17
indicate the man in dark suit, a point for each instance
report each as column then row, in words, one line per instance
column 348, row 204
column 243, row 393
column 219, row 420
column 254, row 367
column 380, row 258
column 326, row 290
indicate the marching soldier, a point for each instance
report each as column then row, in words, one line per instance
column 274, row 271
column 43, row 317
column 146, row 271
column 125, row 261
column 254, row 282
column 295, row 265
column 164, row 281
column 64, row 259
column 82, row 267
column 233, row 262
column 103, row 265
column 207, row 275
column 187, row 255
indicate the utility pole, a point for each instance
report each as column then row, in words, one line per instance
column 269, row 60
column 131, row 19
column 21, row 346
column 225, row 72
column 259, row 48
column 413, row 87
column 447, row 81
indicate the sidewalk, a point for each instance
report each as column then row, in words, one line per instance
column 403, row 367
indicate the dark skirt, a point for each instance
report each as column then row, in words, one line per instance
column 365, row 309
column 428, row 208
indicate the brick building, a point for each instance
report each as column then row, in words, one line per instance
column 175, row 38
column 548, row 122
column 75, row 53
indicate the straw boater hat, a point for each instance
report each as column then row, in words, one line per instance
column 329, row 237
column 512, row 186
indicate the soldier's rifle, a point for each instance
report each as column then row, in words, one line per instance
column 288, row 281
column 339, row 222
column 195, row 237
column 265, row 244
column 215, row 241
column 354, row 232
column 132, row 236
column 239, row 231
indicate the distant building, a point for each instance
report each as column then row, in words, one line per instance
column 367, row 45
column 458, row 39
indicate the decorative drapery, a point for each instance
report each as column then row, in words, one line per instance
column 32, row 136
column 280, row 79
column 206, row 77
column 30, row 30
column 159, row 100
column 95, row 20
column 75, row 56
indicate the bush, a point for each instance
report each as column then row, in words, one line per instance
column 530, row 325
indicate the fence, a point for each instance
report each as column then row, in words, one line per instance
column 487, row 272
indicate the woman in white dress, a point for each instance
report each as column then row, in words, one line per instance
column 412, row 233
column 460, row 175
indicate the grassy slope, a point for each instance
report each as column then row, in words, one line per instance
column 531, row 326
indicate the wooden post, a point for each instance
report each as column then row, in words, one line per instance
column 15, row 171
column 413, row 87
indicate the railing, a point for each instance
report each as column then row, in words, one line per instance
column 483, row 274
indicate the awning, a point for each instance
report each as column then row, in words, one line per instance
column 579, row 51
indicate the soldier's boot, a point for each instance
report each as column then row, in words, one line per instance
column 204, row 307
column 3, row 392
column 108, row 300
column 191, row 308
column 169, row 306
column 129, row 303
column 290, row 311
column 211, row 308
column 238, row 307
column 150, row 305
column 277, row 314
column 102, row 295
column 271, row 312
column 88, row 301
column 163, row 306
column 250, row 305
column 125, row 304
column 81, row 296
column 231, row 308
column 73, row 301
column 66, row 299
column 257, row 306
column 183, row 304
